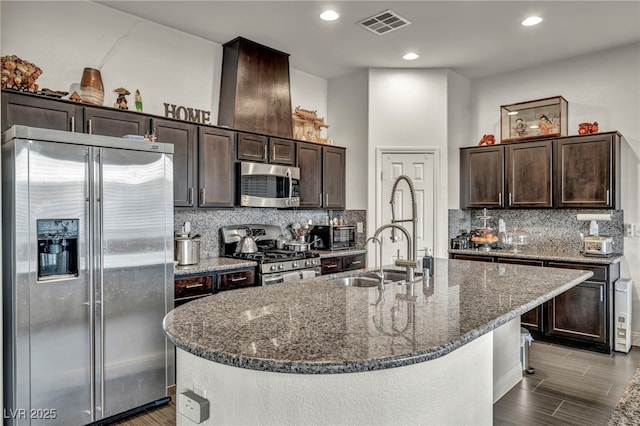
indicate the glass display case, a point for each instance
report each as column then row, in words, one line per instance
column 533, row 119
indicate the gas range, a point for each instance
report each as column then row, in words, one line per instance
column 274, row 265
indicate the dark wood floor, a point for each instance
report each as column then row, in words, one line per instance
column 569, row 387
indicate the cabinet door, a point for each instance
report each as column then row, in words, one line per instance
column 482, row 177
column 216, row 167
column 310, row 164
column 528, row 171
column 98, row 121
column 182, row 136
column 579, row 312
column 333, row 177
column 585, row 171
column 282, row 151
column 355, row 261
column 532, row 320
column 331, row 265
column 252, row 147
column 40, row 112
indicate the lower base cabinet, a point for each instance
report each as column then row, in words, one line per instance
column 236, row 278
column 191, row 287
column 333, row 265
column 581, row 316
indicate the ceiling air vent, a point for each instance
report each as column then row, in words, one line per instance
column 384, row 22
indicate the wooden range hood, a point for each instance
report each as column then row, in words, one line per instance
column 254, row 92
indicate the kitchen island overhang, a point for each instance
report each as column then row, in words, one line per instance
column 423, row 339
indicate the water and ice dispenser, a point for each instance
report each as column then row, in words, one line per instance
column 57, row 248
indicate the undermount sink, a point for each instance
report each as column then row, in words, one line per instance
column 370, row 278
column 356, row 281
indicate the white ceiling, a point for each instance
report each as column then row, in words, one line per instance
column 473, row 38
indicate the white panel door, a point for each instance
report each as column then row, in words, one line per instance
column 420, row 168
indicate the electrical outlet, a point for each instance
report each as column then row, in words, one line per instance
column 193, row 406
column 636, row 229
column 628, row 230
column 359, row 227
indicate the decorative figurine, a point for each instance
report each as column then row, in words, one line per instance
column 487, row 140
column 545, row 124
column 586, row 128
column 75, row 97
column 138, row 101
column 121, row 102
column 520, row 128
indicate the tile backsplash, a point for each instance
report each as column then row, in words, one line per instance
column 548, row 229
column 207, row 222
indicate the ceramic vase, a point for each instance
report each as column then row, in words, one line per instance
column 91, row 88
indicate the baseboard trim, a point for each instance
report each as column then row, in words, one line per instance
column 507, row 382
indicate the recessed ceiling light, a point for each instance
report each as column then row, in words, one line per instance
column 329, row 15
column 532, row 20
column 410, row 56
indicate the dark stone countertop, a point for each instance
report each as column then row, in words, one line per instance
column 324, row 254
column 213, row 264
column 556, row 255
column 318, row 327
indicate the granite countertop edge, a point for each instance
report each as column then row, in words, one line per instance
column 543, row 255
column 324, row 254
column 212, row 265
column 362, row 365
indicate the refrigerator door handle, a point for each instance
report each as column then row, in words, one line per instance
column 101, row 266
column 92, row 293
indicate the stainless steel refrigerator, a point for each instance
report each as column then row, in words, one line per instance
column 87, row 275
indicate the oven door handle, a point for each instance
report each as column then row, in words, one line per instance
column 272, row 280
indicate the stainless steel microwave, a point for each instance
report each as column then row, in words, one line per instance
column 341, row 237
column 268, row 185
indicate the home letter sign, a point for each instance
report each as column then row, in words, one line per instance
column 186, row 114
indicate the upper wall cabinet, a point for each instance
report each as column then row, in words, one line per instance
column 528, row 173
column 114, row 122
column 216, row 167
column 482, row 177
column 264, row 149
column 333, row 177
column 587, row 171
column 41, row 112
column 184, row 137
column 322, row 176
column 568, row 172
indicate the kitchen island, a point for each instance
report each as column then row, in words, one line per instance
column 316, row 352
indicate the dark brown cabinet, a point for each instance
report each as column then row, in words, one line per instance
column 235, row 279
column 34, row 111
column 282, row 151
column 264, row 149
column 350, row 262
column 586, row 170
column 528, row 174
column 216, row 167
column 183, row 136
column 333, row 177
column 112, row 122
column 310, row 164
column 482, row 177
column 568, row 172
column 188, row 288
column 581, row 316
column 253, row 147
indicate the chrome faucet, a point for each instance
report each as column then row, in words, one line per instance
column 380, row 274
column 413, row 254
column 409, row 264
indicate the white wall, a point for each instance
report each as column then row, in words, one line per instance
column 602, row 87
column 348, row 96
column 458, row 119
column 408, row 108
column 166, row 65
